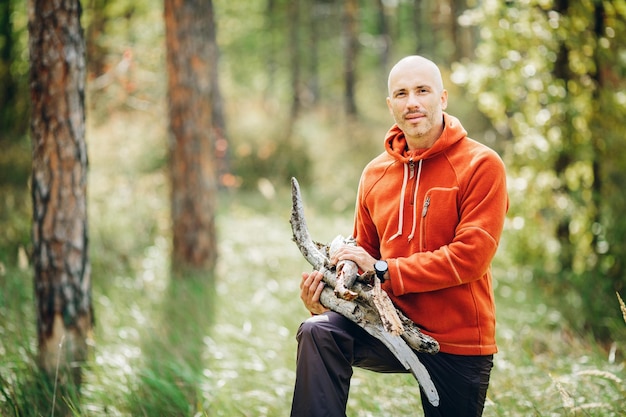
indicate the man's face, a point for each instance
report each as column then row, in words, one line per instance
column 416, row 102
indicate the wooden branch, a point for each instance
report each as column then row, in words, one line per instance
column 387, row 311
column 364, row 308
column 347, row 271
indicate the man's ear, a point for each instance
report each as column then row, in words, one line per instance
column 389, row 105
column 444, row 99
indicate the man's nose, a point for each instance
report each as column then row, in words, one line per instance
column 412, row 100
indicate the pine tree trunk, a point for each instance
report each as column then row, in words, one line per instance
column 59, row 186
column 190, row 57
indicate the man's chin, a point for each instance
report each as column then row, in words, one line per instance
column 416, row 131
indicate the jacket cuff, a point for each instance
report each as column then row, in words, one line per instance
column 396, row 284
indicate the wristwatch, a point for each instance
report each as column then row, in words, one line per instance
column 381, row 269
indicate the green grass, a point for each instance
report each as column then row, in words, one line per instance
column 178, row 349
column 224, row 345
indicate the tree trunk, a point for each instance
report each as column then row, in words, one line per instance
column 190, row 58
column 59, row 186
column 96, row 51
column 271, row 54
column 461, row 37
column 7, row 83
column 13, row 89
column 562, row 72
column 313, row 84
column 385, row 36
column 351, row 41
column 222, row 148
column 293, row 14
column 597, row 145
column 424, row 27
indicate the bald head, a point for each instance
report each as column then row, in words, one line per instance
column 416, row 63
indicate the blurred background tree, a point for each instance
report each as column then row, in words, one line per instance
column 13, row 72
column 193, row 169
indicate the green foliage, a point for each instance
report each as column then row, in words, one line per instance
column 169, row 379
column 272, row 156
column 29, row 392
column 550, row 81
column 25, row 391
column 14, row 71
column 15, row 202
column 167, row 387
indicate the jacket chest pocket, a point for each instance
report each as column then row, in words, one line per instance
column 440, row 217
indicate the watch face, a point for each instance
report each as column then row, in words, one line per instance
column 381, row 266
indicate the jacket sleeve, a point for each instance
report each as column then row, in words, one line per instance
column 482, row 206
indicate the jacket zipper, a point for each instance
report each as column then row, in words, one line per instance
column 426, row 204
column 423, row 223
column 411, row 176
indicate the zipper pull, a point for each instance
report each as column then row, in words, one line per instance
column 411, row 168
column 426, row 204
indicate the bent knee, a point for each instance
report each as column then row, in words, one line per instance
column 321, row 325
column 312, row 325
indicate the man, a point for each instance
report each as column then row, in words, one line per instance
column 431, row 208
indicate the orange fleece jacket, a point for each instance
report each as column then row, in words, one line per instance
column 436, row 215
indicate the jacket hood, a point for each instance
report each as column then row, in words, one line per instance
column 396, row 146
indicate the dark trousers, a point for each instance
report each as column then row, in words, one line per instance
column 329, row 345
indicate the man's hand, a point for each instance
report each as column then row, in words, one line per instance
column 311, row 287
column 364, row 260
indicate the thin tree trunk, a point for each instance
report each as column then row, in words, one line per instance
column 293, row 12
column 351, row 42
column 271, row 23
column 383, row 31
column 313, row 48
column 461, row 37
column 597, row 145
column 59, row 187
column 425, row 25
column 7, row 83
column 190, row 58
column 562, row 72
column 222, row 145
column 96, row 51
column 13, row 91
